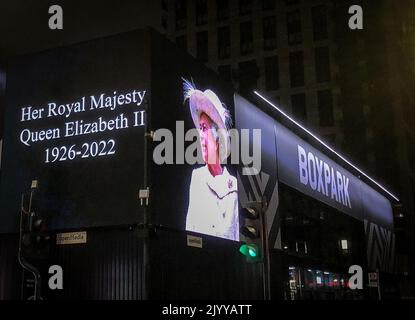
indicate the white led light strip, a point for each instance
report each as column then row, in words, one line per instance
column 326, row 145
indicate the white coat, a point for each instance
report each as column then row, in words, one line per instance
column 213, row 204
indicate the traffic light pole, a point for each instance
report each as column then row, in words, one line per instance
column 23, row 262
column 256, row 248
column 266, row 258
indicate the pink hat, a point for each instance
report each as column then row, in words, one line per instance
column 209, row 103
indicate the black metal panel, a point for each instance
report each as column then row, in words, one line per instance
column 10, row 270
column 108, row 266
column 216, row 271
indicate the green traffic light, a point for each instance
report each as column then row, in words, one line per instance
column 249, row 250
column 252, row 253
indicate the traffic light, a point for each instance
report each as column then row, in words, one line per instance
column 251, row 231
column 255, row 241
column 36, row 239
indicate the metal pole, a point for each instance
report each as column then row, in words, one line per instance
column 300, row 283
column 144, row 272
column 23, row 262
column 266, row 260
column 378, row 280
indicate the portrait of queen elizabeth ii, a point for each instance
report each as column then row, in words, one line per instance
column 213, row 195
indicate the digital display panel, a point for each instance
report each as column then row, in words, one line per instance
column 75, row 121
column 191, row 116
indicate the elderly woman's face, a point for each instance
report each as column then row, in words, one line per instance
column 207, row 140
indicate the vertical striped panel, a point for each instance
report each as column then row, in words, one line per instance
column 10, row 270
column 380, row 246
column 108, row 266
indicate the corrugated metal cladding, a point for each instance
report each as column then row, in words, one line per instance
column 217, row 271
column 108, row 266
column 10, row 270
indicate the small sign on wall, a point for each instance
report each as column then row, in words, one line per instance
column 193, row 241
column 71, row 237
column 373, row 279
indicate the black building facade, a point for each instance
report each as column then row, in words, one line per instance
column 136, row 249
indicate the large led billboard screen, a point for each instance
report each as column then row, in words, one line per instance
column 193, row 183
column 75, row 121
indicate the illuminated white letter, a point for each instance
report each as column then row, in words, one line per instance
column 139, row 118
column 326, row 177
column 25, row 137
column 333, row 186
column 340, row 187
column 346, row 192
column 312, row 174
column 319, row 165
column 302, row 164
column 26, row 113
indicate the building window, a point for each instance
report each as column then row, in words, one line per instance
column 246, row 38
column 222, row 7
column 272, row 80
column 322, row 59
column 245, row 7
column 319, row 15
column 180, row 10
column 202, row 46
column 269, row 25
column 291, row 2
column 299, row 109
column 181, row 42
column 225, row 72
column 297, row 69
column 201, row 12
column 330, row 139
column 224, row 43
column 325, row 108
column 294, row 27
column 248, row 76
column 164, row 22
column 164, row 5
column 268, row 4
